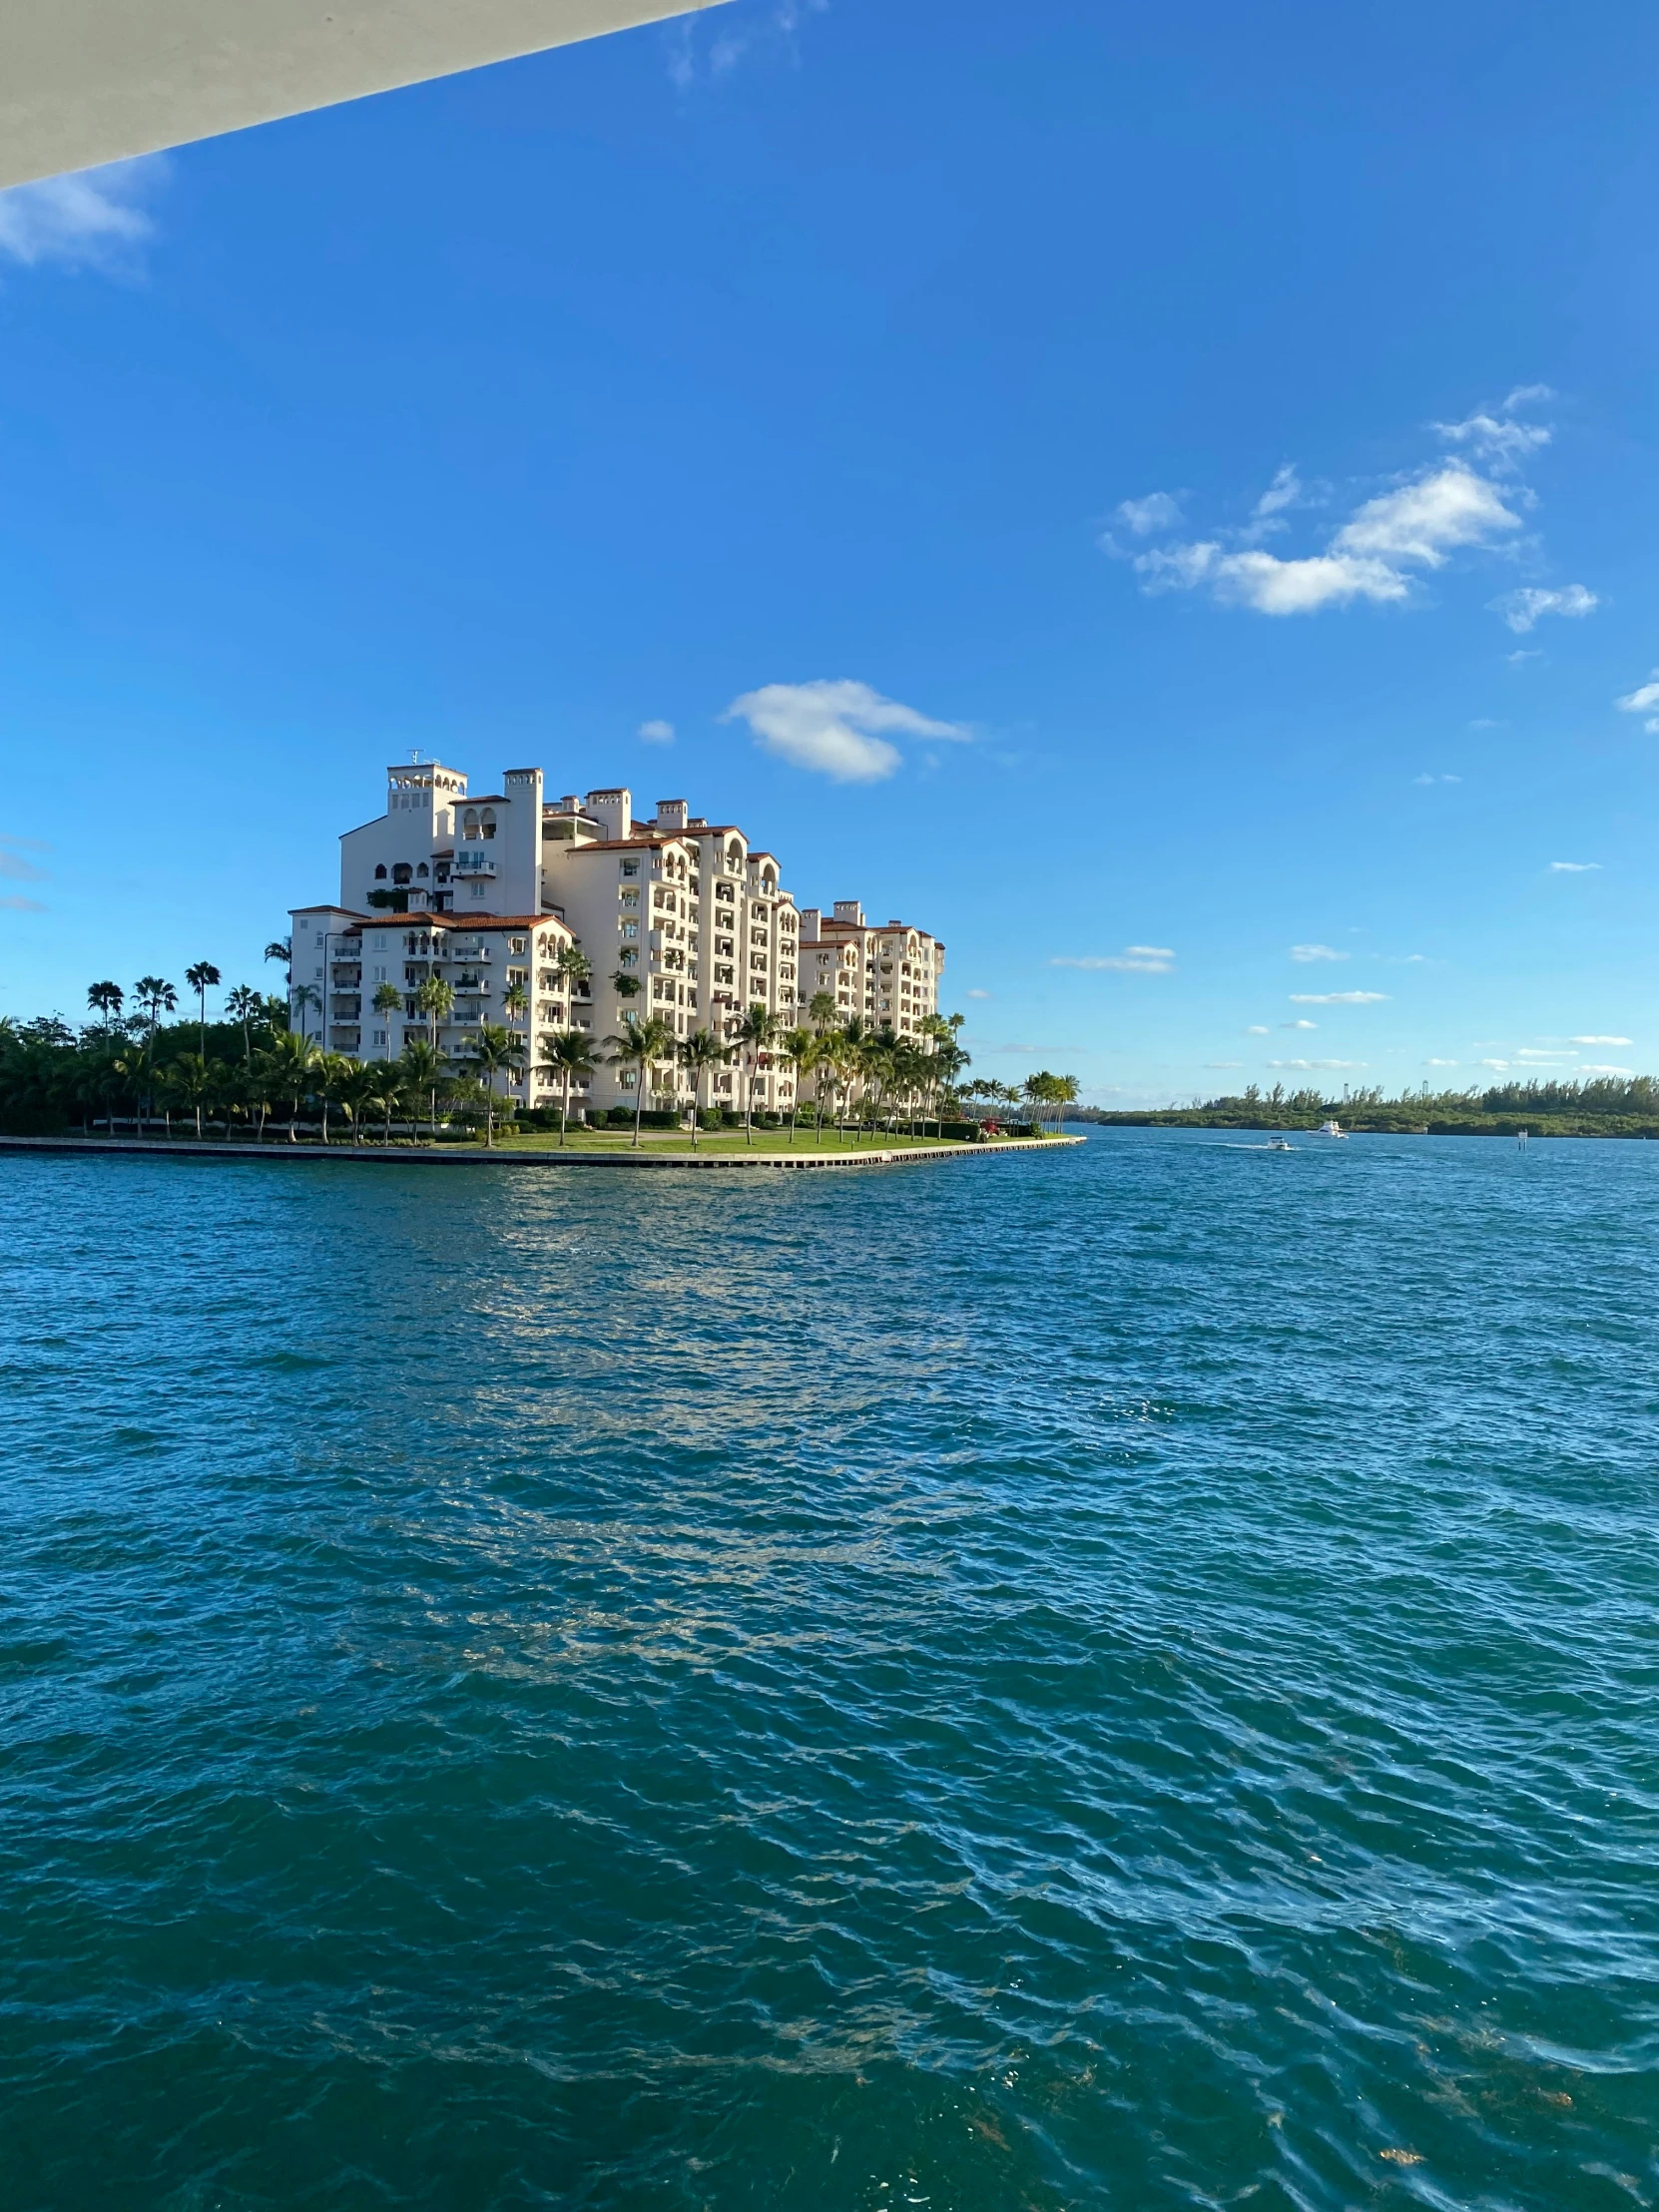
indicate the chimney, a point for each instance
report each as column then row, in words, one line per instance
column 850, row 910
column 671, row 814
column 810, row 919
column 613, row 811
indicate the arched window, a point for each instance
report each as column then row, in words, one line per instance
column 486, row 822
column 469, row 824
column 769, row 881
column 401, row 872
column 380, row 872
column 423, row 869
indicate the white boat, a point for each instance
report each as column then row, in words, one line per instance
column 1279, row 1144
column 1332, row 1129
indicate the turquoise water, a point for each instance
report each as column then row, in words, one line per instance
column 1117, row 1678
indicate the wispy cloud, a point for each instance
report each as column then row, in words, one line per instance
column 1301, row 1023
column 1224, row 1063
column 1315, row 1064
column 753, row 30
column 96, row 219
column 1142, row 518
column 1642, row 701
column 656, row 733
column 1574, row 868
column 976, row 995
column 1441, row 1064
column 1135, row 959
column 835, row 727
column 1521, row 609
column 1501, row 439
column 1598, row 1040
column 17, row 868
column 1449, row 506
column 1258, row 1029
column 1445, row 779
column 1317, row 952
column 1597, row 1068
column 1338, row 998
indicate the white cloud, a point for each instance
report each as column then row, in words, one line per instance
column 1336, row 998
column 1317, row 952
column 1282, row 492
column 1448, row 779
column 1641, row 701
column 656, row 733
column 1428, row 520
column 1224, row 1063
column 1573, row 867
column 831, row 726
column 1268, row 585
column 1500, row 439
column 1527, row 653
column 976, row 995
column 1143, row 518
column 1316, row 1063
column 1258, row 1029
column 1590, row 1069
column 1441, row 1064
column 1503, row 1066
column 93, row 219
column 1598, row 1040
column 1521, row 609
column 1419, row 524
column 1135, row 959
column 1301, row 1023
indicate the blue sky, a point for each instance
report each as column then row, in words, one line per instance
column 1136, row 491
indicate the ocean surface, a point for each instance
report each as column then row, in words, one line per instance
column 1124, row 1676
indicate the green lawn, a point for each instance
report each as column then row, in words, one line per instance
column 719, row 1141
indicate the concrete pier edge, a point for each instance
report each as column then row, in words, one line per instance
column 190, row 1148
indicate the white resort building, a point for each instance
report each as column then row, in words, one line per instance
column 484, row 895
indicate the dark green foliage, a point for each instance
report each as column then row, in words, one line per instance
column 1600, row 1106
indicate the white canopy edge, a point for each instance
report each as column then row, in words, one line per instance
column 89, row 81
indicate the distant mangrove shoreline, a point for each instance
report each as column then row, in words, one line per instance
column 1604, row 1106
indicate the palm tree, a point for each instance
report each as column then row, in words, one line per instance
column 357, row 1086
column 626, row 986
column 242, row 1004
column 334, row 1071
column 290, row 1063
column 386, row 1093
column 156, row 996
column 797, row 1049
column 640, row 1045
column 189, row 1080
column 700, row 1054
column 573, row 966
column 107, row 999
column 281, row 949
column 435, row 999
column 424, row 1070
column 387, row 1001
column 820, row 1010
column 494, row 1050
column 514, row 1000
column 301, row 996
column 202, row 978
column 755, row 1032
column 570, row 1051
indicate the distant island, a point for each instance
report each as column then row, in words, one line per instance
column 1604, row 1106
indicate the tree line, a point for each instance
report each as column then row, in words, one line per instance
column 1613, row 1105
column 251, row 1070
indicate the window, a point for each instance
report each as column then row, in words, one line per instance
column 515, row 945
column 380, row 872
column 423, row 869
column 629, row 898
column 478, row 891
column 629, row 868
column 630, row 928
